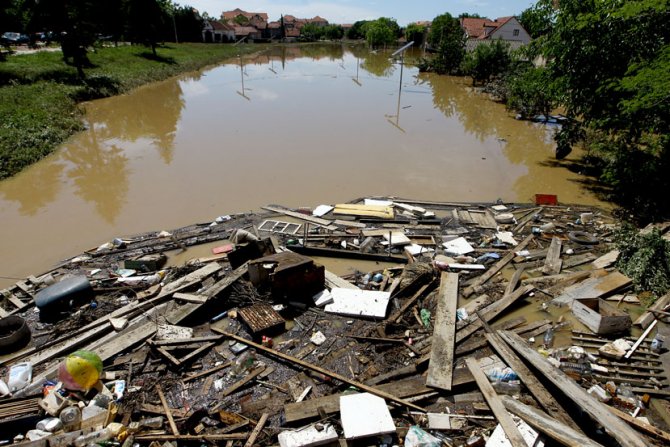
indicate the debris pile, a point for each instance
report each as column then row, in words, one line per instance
column 455, row 324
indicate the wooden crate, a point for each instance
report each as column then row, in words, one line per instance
column 600, row 316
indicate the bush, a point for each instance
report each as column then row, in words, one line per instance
column 487, row 60
column 645, row 258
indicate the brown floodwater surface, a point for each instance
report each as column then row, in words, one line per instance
column 297, row 126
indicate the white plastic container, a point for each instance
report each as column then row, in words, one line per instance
column 20, row 376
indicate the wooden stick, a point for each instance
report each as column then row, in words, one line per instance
column 297, row 361
column 504, row 418
column 168, row 413
column 257, row 430
column 240, row 383
column 209, row 371
column 641, row 339
column 204, row 437
column 440, row 368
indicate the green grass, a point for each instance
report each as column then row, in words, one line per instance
column 39, row 93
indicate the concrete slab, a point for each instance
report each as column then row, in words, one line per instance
column 364, row 415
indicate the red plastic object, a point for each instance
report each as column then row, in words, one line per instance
column 546, row 199
column 222, row 249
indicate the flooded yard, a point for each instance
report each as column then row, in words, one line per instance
column 297, row 126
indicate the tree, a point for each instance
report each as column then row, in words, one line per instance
column 487, row 60
column 357, row 30
column 146, row 22
column 538, row 20
column 378, row 33
column 392, row 25
column 611, row 59
column 311, row 32
column 78, row 22
column 447, row 36
column 530, row 92
column 415, row 33
column 333, row 32
column 188, row 23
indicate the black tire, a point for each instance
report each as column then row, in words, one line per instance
column 582, row 237
column 14, row 334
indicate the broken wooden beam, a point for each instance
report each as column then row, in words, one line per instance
column 168, row 412
column 597, row 410
column 498, row 409
column 441, row 364
column 257, row 430
column 544, row 423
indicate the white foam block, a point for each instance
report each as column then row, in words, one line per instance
column 307, row 437
column 322, row 298
column 365, row 415
column 458, row 246
column 366, row 303
column 321, row 210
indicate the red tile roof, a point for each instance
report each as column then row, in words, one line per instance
column 481, row 28
column 228, row 15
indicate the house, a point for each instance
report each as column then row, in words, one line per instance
column 250, row 32
column 257, row 17
column 482, row 30
column 217, row 32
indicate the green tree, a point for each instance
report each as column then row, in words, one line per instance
column 147, row 21
column 78, row 20
column 378, row 33
column 530, row 92
column 333, row 32
column 188, row 23
column 448, row 38
column 611, row 59
column 357, row 30
column 487, row 60
column 415, row 33
column 392, row 24
column 311, row 32
column 538, row 20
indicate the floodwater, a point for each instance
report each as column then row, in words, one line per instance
column 297, row 126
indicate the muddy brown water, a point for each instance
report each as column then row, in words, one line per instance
column 294, row 126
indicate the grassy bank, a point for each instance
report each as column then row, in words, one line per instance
column 39, row 93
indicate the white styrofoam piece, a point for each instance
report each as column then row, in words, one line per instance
column 321, row 210
column 308, row 436
column 397, row 238
column 322, row 298
column 365, row 415
column 467, row 266
column 506, row 237
column 499, row 207
column 367, row 303
column 458, row 246
column 375, row 202
column 416, row 249
column 318, row 338
column 498, row 438
column 444, row 421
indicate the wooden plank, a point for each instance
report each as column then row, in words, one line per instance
column 575, row 260
column 594, row 287
column 514, row 281
column 351, row 209
column 497, row 267
column 647, row 317
column 546, row 424
column 304, row 364
column 597, row 410
column 168, row 413
column 332, row 281
column 641, row 339
column 640, row 425
column 257, row 430
column 553, row 262
column 441, row 363
column 539, row 392
column 328, row 224
column 498, row 409
column 189, row 297
column 207, row 372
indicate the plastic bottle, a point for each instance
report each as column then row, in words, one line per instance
column 549, row 338
column 20, row 376
column 243, row 362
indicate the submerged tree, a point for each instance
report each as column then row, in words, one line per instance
column 448, row 39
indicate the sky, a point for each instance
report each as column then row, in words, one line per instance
column 349, row 11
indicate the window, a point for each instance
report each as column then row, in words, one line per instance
column 516, row 32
